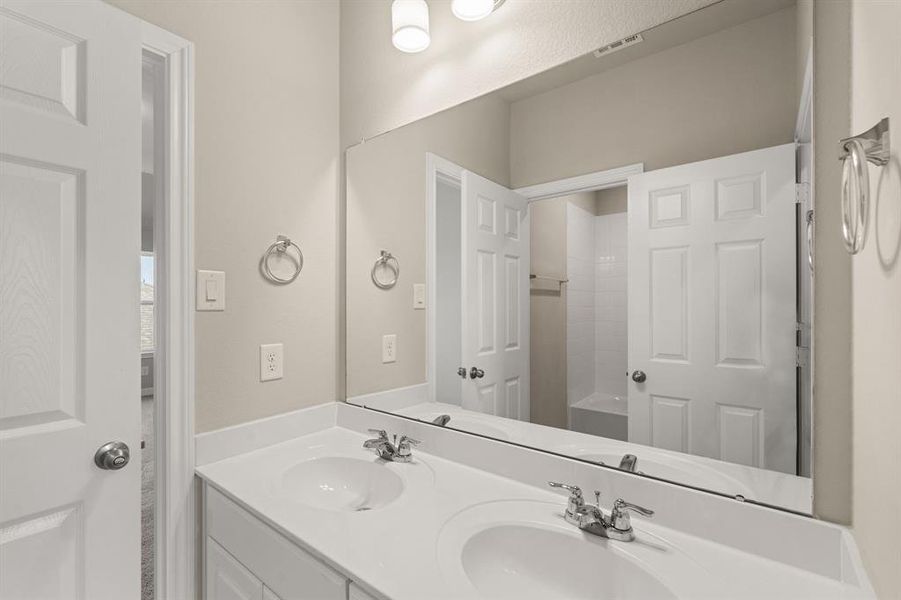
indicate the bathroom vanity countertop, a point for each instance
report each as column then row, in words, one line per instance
column 405, row 549
column 770, row 487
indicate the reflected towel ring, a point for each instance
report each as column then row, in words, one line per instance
column 387, row 260
column 856, row 184
column 280, row 246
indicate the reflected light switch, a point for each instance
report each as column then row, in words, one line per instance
column 210, row 290
column 418, row 296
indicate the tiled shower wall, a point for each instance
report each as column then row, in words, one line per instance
column 611, row 350
column 596, row 342
column 580, row 303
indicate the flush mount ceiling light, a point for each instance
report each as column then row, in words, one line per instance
column 410, row 25
column 473, row 10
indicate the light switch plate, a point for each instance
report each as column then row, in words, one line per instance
column 389, row 348
column 419, row 296
column 272, row 361
column 210, row 290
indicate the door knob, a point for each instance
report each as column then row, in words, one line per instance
column 639, row 376
column 112, row 456
column 476, row 373
column 462, row 372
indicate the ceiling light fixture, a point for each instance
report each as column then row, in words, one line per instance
column 473, row 10
column 410, row 25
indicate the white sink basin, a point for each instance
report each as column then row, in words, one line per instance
column 679, row 471
column 341, row 484
column 524, row 550
column 519, row 561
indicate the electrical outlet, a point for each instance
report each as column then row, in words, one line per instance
column 389, row 348
column 272, row 361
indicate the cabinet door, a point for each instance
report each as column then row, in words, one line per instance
column 226, row 578
column 291, row 573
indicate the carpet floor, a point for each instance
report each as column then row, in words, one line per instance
column 148, row 493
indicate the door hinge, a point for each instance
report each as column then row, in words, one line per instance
column 802, row 193
column 802, row 357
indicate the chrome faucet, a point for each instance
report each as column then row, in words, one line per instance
column 590, row 518
column 628, row 463
column 441, row 420
column 397, row 451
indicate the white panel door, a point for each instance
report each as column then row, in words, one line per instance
column 70, row 161
column 495, row 298
column 227, row 579
column 712, row 308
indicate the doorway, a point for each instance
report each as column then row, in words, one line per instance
column 152, row 398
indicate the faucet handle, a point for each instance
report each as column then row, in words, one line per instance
column 404, row 439
column 619, row 516
column 404, row 451
column 379, row 432
column 574, row 490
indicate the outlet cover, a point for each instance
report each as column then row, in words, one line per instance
column 389, row 348
column 272, row 361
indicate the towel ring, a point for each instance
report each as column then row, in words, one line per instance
column 387, row 260
column 870, row 146
column 280, row 246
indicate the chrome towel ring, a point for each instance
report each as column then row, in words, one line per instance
column 385, row 261
column 280, row 247
column 870, row 146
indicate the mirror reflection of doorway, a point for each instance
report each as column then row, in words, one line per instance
column 652, row 350
column 152, row 184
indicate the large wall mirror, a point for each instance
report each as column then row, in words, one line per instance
column 608, row 260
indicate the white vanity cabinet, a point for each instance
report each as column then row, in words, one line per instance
column 248, row 560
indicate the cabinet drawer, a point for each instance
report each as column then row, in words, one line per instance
column 289, row 572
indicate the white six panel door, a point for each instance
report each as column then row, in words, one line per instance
column 70, row 156
column 712, row 308
column 495, row 298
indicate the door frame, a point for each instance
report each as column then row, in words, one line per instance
column 437, row 169
column 174, row 539
column 590, row 182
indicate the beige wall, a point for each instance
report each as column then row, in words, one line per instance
column 386, row 203
column 832, row 413
column 382, row 88
column 876, row 93
column 612, row 200
column 266, row 160
column 721, row 94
